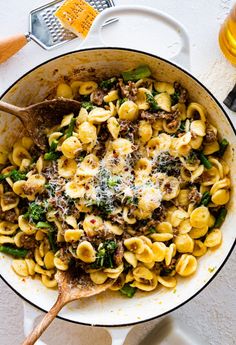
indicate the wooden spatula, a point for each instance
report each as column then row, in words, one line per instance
column 39, row 117
column 70, row 288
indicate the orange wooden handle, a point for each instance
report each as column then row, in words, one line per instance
column 11, row 45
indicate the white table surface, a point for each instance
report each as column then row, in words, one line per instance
column 212, row 314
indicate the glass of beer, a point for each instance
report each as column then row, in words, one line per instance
column 227, row 36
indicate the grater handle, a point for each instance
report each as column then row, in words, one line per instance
column 94, row 38
column 9, row 46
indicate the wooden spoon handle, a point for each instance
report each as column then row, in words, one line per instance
column 11, row 45
column 13, row 109
column 45, row 322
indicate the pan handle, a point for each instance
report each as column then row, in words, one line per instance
column 94, row 38
column 168, row 329
column 119, row 334
column 30, row 314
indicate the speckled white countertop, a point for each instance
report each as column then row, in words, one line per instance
column 212, row 314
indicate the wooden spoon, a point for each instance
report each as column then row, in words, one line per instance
column 70, row 288
column 39, row 117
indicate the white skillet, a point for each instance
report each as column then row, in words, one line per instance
column 111, row 310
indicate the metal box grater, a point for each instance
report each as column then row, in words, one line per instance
column 46, row 30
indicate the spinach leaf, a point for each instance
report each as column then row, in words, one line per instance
column 175, row 98
column 107, row 84
column 87, row 105
column 138, row 73
column 35, row 212
column 128, row 290
column 17, row 175
column 152, row 102
column 105, row 255
column 70, row 129
column 52, row 155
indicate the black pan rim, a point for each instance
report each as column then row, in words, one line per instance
column 234, row 130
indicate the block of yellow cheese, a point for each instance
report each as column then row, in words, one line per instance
column 76, row 16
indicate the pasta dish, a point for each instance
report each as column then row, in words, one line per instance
column 132, row 188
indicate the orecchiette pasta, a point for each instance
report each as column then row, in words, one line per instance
column 161, row 86
column 141, row 98
column 98, row 277
column 146, row 256
column 98, row 115
column 114, row 272
column 20, row 267
column 49, row 260
column 146, row 285
column 186, row 265
column 198, row 232
column 170, row 253
column 164, row 101
column 7, row 228
column 198, row 127
column 196, row 108
column 199, row 217
column 70, row 147
column 87, row 132
column 184, row 243
column 199, row 248
column 9, row 200
column 131, row 258
column 111, row 96
column 48, row 282
column 149, row 199
column 211, row 148
column 145, row 131
column 165, row 227
column 213, row 239
column 163, row 237
column 159, row 251
column 30, row 266
column 73, row 235
column 220, row 197
column 169, row 188
column 132, row 188
column 128, row 111
column 122, row 146
column 169, row 282
column 64, row 90
column 134, row 244
column 82, row 117
column 87, row 87
column 61, row 265
column 113, row 127
column 66, row 167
